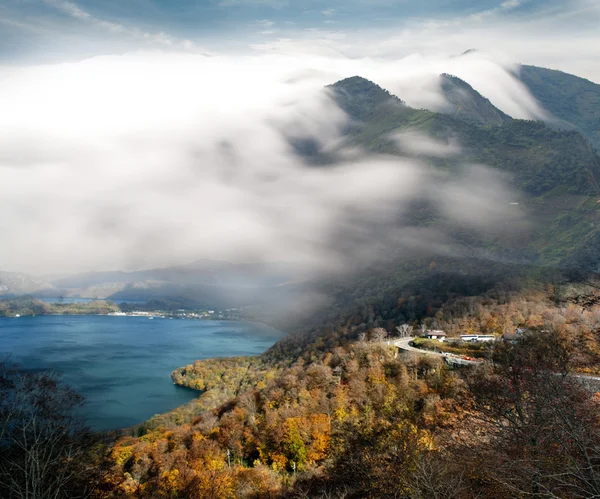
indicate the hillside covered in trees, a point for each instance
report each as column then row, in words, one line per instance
column 341, row 413
column 335, row 411
column 572, row 100
column 29, row 306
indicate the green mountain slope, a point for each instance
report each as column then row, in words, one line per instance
column 556, row 172
column 464, row 102
column 363, row 100
column 569, row 98
column 541, row 158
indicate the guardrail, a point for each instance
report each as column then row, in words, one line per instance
column 452, row 359
column 589, row 381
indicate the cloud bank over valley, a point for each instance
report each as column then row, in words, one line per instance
column 153, row 159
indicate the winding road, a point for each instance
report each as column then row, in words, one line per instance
column 452, row 359
column 404, row 345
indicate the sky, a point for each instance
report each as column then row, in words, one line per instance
column 561, row 34
column 150, row 133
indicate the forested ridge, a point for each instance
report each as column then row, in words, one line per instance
column 554, row 170
column 29, row 306
column 572, row 100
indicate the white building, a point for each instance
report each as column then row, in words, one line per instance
column 435, row 334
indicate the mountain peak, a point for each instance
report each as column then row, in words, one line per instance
column 464, row 102
column 359, row 86
column 360, row 97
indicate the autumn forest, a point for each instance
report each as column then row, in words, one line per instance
column 350, row 417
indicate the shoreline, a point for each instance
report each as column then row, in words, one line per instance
column 161, row 315
column 187, row 394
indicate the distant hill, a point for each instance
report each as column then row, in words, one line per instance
column 464, row 102
column 205, row 272
column 204, row 283
column 571, row 99
column 16, row 283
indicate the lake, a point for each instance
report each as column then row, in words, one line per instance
column 122, row 365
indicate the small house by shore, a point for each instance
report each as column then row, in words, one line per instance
column 435, row 334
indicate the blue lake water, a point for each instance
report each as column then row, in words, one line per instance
column 122, row 365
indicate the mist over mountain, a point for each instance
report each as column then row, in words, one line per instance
column 574, row 102
column 220, row 170
column 207, row 272
column 553, row 175
column 463, row 101
column 469, row 181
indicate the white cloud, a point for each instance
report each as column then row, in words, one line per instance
column 275, row 4
column 493, row 78
column 24, row 26
column 511, row 4
column 328, row 12
column 154, row 159
column 419, row 145
column 503, row 8
column 263, row 23
column 159, row 38
column 415, row 79
column 266, row 26
column 558, row 35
